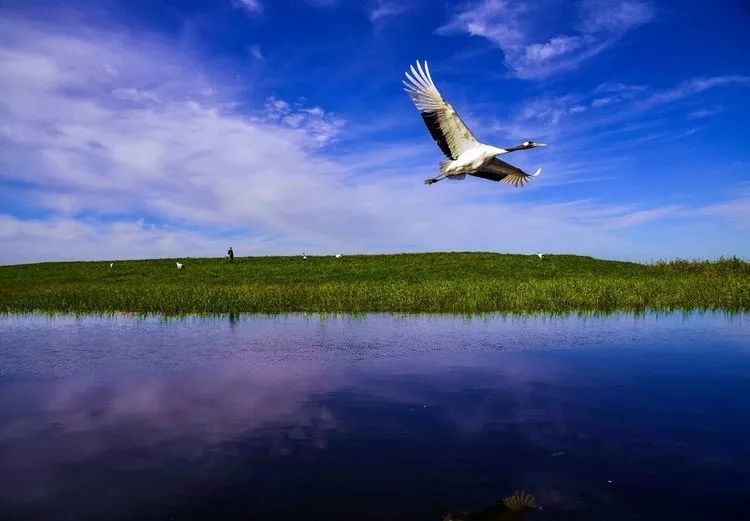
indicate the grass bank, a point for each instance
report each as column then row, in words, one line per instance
column 430, row 282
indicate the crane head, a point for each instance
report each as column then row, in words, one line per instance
column 532, row 144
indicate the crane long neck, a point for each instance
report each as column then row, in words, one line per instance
column 517, row 147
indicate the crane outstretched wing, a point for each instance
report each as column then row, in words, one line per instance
column 498, row 170
column 449, row 132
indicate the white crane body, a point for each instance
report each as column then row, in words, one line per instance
column 473, row 159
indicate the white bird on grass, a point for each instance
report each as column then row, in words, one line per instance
column 466, row 155
column 541, row 256
column 111, row 264
column 180, row 265
column 338, row 255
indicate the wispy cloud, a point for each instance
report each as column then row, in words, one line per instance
column 736, row 211
column 639, row 217
column 256, row 52
column 382, row 10
column 705, row 112
column 689, row 88
column 615, row 103
column 618, row 88
column 252, row 6
column 597, row 25
column 88, row 239
column 312, row 121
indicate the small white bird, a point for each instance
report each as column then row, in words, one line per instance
column 111, row 264
column 466, row 155
column 180, row 265
column 338, row 255
column 540, row 256
column 304, row 257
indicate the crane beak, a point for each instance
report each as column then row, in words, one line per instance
column 540, row 144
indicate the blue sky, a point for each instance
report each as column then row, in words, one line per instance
column 140, row 128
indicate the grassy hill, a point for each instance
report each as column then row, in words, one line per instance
column 429, row 282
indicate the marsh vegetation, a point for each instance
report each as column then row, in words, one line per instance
column 430, row 282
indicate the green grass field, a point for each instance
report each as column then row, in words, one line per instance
column 430, row 282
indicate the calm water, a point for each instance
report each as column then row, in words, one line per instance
column 374, row 418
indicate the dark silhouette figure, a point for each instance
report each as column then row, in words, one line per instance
column 231, row 254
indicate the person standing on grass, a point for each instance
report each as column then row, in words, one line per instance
column 231, row 254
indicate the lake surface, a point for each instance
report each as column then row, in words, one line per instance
column 375, row 417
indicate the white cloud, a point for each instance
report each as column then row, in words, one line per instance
column 736, row 211
column 549, row 109
column 385, row 9
column 252, row 6
column 312, row 121
column 255, row 52
column 614, row 103
column 156, row 138
column 639, row 217
column 689, row 88
column 618, row 88
column 62, row 238
column 705, row 112
column 513, row 27
column 612, row 16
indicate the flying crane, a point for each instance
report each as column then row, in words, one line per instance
column 466, row 155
